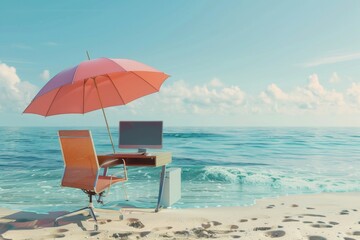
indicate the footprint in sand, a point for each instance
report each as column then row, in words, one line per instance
column 216, row 223
column 344, row 212
column 290, row 220
column 209, row 224
column 275, row 234
column 57, row 235
column 261, row 228
column 121, row 235
column 144, row 234
column 313, row 215
column 62, row 230
column 135, row 223
column 166, row 235
column 356, row 233
column 234, row 227
column 183, row 233
column 321, row 225
column 201, row 233
column 206, row 225
column 162, row 228
column 347, row 238
column 243, row 220
column 94, row 233
column 317, row 238
column 333, row 223
column 270, row 206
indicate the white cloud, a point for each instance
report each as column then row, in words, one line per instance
column 334, row 78
column 311, row 98
column 45, row 75
column 198, row 99
column 332, row 59
column 216, row 83
column 203, row 99
column 276, row 92
column 15, row 94
column 353, row 95
column 314, row 86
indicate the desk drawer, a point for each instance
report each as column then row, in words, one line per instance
column 140, row 161
column 150, row 160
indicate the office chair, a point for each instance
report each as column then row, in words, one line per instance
column 82, row 169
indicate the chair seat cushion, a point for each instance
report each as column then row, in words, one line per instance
column 105, row 181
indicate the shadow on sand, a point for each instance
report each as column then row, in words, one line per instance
column 29, row 220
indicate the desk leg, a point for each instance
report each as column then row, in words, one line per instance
column 162, row 180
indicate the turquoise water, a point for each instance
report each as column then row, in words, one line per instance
column 220, row 166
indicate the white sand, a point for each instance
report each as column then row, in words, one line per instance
column 315, row 217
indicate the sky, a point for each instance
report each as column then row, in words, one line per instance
column 231, row 63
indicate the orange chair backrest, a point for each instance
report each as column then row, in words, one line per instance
column 81, row 165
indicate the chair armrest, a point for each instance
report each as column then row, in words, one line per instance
column 110, row 163
column 108, row 160
column 124, row 169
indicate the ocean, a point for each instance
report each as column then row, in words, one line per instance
column 220, row 166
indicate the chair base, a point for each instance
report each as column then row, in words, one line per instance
column 90, row 208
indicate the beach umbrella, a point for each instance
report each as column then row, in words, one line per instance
column 96, row 84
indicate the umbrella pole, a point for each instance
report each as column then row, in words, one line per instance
column 103, row 111
column 102, row 108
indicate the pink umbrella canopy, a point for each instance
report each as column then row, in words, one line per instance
column 96, row 84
